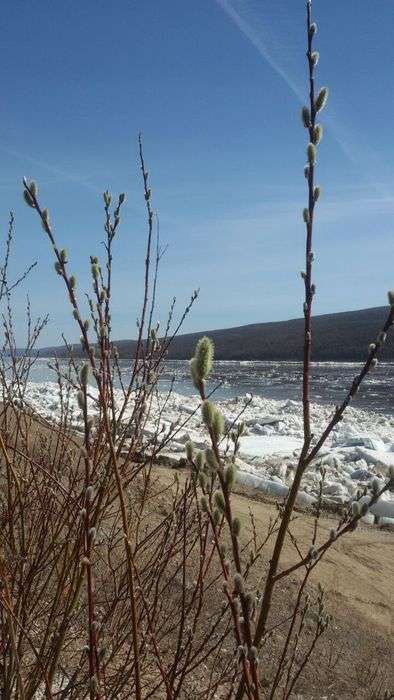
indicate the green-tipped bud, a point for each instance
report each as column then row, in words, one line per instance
column 73, row 281
column 28, row 198
column 305, row 215
column 208, row 413
column 211, row 460
column 216, row 516
column 200, row 459
column 375, row 486
column 390, row 296
column 58, row 268
column 315, row 56
column 307, row 171
column 95, row 271
column 189, row 450
column 107, row 198
column 86, row 325
column 220, row 502
column 194, row 373
column 312, row 552
column 218, row 425
column 238, row 583
column 356, row 510
column 33, row 188
column 63, row 255
column 249, row 602
column 45, row 219
column 311, row 153
column 84, row 374
column 94, row 259
column 230, row 476
column 321, row 99
column 306, row 117
column 317, row 134
column 81, row 400
column 316, row 193
column 254, row 655
column 241, row 654
column 236, row 527
column 202, row 480
column 94, row 685
column 204, row 504
column 76, row 314
column 364, row 508
column 103, row 652
column 203, row 359
column 89, row 493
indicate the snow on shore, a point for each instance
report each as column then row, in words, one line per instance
column 361, row 446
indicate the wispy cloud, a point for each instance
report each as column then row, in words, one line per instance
column 275, row 46
column 50, row 168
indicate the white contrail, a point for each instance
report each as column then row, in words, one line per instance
column 257, row 34
column 260, row 43
column 267, row 44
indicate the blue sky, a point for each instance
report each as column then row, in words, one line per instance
column 215, row 87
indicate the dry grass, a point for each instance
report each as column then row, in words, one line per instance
column 120, row 579
column 354, row 659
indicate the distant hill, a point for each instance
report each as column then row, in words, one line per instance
column 340, row 336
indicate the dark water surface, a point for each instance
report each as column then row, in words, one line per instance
column 278, row 380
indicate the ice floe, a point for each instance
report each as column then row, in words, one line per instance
column 360, row 448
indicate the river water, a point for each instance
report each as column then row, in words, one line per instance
column 277, row 380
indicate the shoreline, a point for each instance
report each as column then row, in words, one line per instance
column 360, row 449
column 356, row 574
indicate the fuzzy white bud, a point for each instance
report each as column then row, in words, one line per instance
column 84, row 374
column 311, row 154
column 321, row 99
